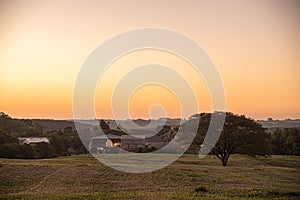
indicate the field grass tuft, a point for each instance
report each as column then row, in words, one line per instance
column 200, row 189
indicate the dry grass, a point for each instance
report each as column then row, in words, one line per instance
column 83, row 177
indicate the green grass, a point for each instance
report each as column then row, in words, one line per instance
column 83, row 177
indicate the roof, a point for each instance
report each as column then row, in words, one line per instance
column 130, row 139
column 109, row 136
column 32, row 140
column 154, row 138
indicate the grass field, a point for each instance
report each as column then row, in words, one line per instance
column 83, row 177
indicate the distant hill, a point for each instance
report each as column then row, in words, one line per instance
column 272, row 125
column 50, row 124
column 131, row 125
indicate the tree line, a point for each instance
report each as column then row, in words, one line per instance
column 240, row 135
column 62, row 142
column 286, row 141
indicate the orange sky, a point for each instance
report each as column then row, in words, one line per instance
column 254, row 44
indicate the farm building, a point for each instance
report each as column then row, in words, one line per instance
column 129, row 142
column 154, row 141
column 33, row 140
column 105, row 141
column 126, row 142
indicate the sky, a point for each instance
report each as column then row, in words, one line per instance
column 254, row 45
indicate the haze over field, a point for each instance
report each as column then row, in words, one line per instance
column 254, row 44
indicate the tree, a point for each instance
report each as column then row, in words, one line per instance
column 239, row 135
column 286, row 141
column 5, row 138
column 10, row 150
column 44, row 150
column 7, row 123
column 68, row 130
column 104, row 126
column 23, row 127
column 58, row 144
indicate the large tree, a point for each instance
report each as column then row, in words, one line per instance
column 239, row 135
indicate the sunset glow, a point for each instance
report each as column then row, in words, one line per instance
column 254, row 44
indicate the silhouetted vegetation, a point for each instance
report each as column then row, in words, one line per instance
column 200, row 189
column 103, row 125
column 66, row 142
column 286, row 141
column 240, row 135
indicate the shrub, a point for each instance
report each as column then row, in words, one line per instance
column 64, row 154
column 200, row 189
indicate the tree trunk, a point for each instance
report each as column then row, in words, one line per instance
column 224, row 163
column 225, row 159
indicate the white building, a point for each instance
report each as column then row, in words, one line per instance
column 33, row 140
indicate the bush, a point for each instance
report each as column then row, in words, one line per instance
column 200, row 189
column 64, row 154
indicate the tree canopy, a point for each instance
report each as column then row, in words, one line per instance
column 239, row 135
column 103, row 125
column 286, row 141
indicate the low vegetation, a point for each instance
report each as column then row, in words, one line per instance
column 83, row 177
column 200, row 189
column 240, row 135
column 63, row 170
